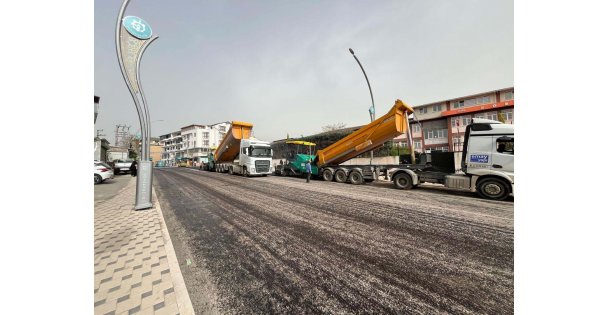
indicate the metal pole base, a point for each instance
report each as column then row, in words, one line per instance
column 143, row 194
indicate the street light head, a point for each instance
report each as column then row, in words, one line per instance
column 351, row 51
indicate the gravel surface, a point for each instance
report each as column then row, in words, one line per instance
column 277, row 245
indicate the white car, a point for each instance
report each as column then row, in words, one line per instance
column 103, row 171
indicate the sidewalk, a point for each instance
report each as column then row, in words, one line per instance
column 136, row 270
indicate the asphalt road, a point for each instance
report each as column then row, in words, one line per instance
column 275, row 245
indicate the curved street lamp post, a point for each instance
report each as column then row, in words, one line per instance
column 372, row 109
column 135, row 35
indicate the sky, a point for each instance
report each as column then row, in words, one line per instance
column 285, row 67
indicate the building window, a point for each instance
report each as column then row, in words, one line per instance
column 416, row 127
column 466, row 121
column 458, row 104
column 436, row 133
column 437, row 108
column 206, row 143
column 417, row 145
column 455, row 121
column 508, row 96
column 422, row 110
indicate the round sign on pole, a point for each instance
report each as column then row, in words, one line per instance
column 137, row 27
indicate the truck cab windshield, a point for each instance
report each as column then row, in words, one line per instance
column 260, row 151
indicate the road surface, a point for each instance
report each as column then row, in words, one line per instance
column 277, row 245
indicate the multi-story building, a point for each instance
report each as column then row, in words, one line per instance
column 192, row 142
column 441, row 125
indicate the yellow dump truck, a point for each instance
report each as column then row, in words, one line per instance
column 486, row 165
column 240, row 153
column 367, row 138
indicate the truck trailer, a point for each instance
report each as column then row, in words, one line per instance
column 366, row 138
column 241, row 153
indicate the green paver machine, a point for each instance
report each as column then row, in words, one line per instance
column 295, row 164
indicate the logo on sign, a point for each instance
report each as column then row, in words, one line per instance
column 137, row 27
column 479, row 158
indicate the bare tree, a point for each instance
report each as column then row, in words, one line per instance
column 332, row 127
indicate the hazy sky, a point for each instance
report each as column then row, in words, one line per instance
column 285, row 66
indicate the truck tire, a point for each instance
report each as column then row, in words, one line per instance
column 403, row 181
column 341, row 176
column 328, row 175
column 355, row 177
column 493, row 188
column 230, row 170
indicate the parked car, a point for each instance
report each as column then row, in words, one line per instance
column 122, row 166
column 103, row 171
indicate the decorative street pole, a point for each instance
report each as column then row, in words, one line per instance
column 133, row 36
column 372, row 110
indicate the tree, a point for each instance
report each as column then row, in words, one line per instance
column 332, row 127
column 502, row 117
column 134, row 146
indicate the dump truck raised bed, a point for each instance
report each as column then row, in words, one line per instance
column 366, row 138
column 240, row 153
column 487, row 158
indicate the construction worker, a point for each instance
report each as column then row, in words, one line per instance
column 308, row 171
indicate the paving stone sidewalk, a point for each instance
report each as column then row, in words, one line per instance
column 136, row 270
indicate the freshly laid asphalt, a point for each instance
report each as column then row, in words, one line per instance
column 274, row 245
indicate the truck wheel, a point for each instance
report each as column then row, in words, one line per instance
column 328, row 176
column 355, row 178
column 341, row 176
column 230, row 171
column 493, row 188
column 98, row 179
column 403, row 181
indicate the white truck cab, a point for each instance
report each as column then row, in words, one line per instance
column 487, row 163
column 255, row 158
column 488, row 158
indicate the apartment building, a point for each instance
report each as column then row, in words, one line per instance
column 192, row 142
column 441, row 125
